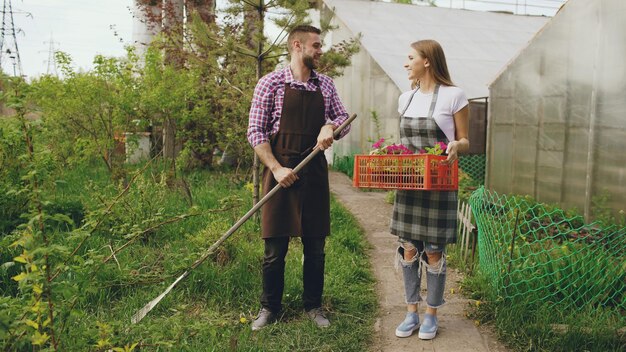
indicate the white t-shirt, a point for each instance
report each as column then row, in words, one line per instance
column 450, row 100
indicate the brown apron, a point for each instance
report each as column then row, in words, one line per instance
column 304, row 208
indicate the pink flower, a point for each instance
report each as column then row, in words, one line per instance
column 378, row 144
column 379, row 148
column 405, row 150
column 397, row 149
column 442, row 145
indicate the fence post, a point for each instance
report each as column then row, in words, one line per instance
column 466, row 228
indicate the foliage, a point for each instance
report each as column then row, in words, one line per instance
column 91, row 250
column 85, row 113
column 545, row 266
column 338, row 57
column 216, row 74
column 11, row 172
column 603, row 213
column 83, row 246
column 377, row 127
column 127, row 252
column 344, row 164
column 467, row 185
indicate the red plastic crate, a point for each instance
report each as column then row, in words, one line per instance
column 408, row 171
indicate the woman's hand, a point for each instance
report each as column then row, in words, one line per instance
column 455, row 148
column 453, row 152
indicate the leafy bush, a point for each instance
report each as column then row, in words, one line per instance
column 11, row 171
column 545, row 266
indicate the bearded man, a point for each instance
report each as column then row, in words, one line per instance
column 294, row 110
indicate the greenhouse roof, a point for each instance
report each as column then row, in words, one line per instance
column 478, row 45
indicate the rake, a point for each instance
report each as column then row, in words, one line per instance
column 148, row 307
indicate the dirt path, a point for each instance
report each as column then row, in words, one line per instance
column 456, row 332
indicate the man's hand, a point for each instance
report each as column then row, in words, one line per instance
column 326, row 137
column 284, row 176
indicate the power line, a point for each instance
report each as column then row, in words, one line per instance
column 8, row 29
column 52, row 63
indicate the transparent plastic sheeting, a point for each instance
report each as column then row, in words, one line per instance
column 557, row 123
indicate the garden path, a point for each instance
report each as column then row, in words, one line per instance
column 456, row 332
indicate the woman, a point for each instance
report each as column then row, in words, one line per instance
column 425, row 221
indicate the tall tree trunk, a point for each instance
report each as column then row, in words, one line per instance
column 199, row 141
column 173, row 11
column 254, row 17
column 169, row 138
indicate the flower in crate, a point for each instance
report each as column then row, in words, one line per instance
column 379, row 148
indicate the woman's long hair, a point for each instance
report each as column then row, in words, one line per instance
column 431, row 50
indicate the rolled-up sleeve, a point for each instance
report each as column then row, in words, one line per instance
column 336, row 113
column 259, row 120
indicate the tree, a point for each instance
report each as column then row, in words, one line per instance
column 256, row 46
column 219, row 58
column 86, row 113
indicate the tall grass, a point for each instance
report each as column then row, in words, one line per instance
column 525, row 325
column 212, row 309
column 550, row 282
column 344, row 164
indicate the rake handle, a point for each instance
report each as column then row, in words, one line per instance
column 139, row 315
column 264, row 200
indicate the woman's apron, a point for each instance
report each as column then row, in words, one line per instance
column 304, row 208
column 429, row 216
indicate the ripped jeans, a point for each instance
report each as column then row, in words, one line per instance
column 412, row 272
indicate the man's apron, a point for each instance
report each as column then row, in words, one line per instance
column 304, row 208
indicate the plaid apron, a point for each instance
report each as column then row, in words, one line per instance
column 429, row 216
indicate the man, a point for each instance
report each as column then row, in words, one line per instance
column 294, row 110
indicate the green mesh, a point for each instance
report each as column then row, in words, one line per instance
column 537, row 254
column 474, row 166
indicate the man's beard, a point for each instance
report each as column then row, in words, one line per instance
column 309, row 62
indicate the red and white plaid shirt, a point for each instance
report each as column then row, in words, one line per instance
column 267, row 103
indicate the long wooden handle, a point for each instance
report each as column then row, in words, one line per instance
column 140, row 314
column 264, row 200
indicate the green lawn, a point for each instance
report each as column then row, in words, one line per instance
column 210, row 310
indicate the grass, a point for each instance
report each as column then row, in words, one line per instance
column 344, row 164
column 211, row 309
column 528, row 326
column 548, row 288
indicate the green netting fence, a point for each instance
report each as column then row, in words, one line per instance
column 543, row 256
column 474, row 166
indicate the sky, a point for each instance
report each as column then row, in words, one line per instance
column 82, row 28
column 86, row 28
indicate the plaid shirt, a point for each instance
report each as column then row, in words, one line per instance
column 267, row 103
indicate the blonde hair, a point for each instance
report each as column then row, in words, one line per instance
column 431, row 50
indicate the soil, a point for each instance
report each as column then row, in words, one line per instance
column 456, row 332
